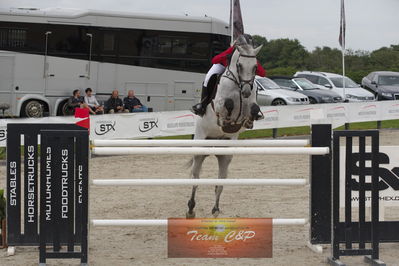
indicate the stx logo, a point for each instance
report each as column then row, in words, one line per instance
column 389, row 178
column 147, row 125
column 3, row 134
column 104, row 128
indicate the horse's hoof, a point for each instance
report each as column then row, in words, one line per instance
column 190, row 215
column 215, row 212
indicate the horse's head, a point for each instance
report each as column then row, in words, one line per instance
column 244, row 65
column 235, row 94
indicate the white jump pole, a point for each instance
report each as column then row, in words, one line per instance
column 163, row 222
column 192, row 182
column 209, row 151
column 201, row 143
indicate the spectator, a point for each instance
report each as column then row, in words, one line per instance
column 133, row 104
column 114, row 103
column 76, row 101
column 92, row 103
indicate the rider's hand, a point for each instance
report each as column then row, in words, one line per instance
column 235, row 43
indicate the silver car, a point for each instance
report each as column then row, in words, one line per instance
column 269, row 93
column 334, row 82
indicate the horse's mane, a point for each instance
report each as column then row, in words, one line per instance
column 246, row 43
column 245, row 39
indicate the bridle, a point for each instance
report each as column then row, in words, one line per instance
column 239, row 81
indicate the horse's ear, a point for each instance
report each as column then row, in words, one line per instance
column 257, row 49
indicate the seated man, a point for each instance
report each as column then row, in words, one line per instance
column 133, row 104
column 91, row 101
column 114, row 103
column 75, row 101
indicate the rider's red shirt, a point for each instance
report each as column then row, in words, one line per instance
column 222, row 59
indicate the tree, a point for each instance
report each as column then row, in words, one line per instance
column 284, row 53
column 286, row 56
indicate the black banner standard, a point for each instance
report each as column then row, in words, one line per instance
column 22, row 215
column 64, row 194
column 321, row 183
column 355, row 242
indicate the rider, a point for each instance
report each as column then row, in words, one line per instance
column 219, row 65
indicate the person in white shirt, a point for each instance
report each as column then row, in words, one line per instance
column 91, row 101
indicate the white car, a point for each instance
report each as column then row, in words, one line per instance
column 269, row 93
column 334, row 82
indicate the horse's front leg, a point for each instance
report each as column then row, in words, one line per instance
column 196, row 168
column 255, row 114
column 224, row 161
column 224, row 109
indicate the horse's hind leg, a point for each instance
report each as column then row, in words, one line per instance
column 196, row 168
column 224, row 161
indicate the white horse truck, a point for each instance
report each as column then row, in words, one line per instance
column 45, row 54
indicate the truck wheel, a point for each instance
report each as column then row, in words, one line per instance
column 32, row 108
column 65, row 110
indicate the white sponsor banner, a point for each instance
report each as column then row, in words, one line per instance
column 148, row 125
column 142, row 125
column 388, row 176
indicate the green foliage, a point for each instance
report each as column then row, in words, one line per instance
column 305, row 130
column 2, row 205
column 286, row 56
column 281, row 53
column 267, row 133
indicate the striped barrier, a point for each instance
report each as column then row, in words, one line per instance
column 160, row 222
column 193, row 182
column 210, row 150
column 202, row 143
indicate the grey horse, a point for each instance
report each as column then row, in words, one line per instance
column 232, row 111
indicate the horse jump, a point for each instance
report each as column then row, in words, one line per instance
column 60, row 140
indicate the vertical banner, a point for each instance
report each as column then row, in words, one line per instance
column 342, row 28
column 342, row 41
column 236, row 23
column 30, row 187
column 220, row 238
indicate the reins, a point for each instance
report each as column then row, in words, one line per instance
column 238, row 81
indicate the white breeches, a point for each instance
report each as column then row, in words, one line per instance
column 215, row 69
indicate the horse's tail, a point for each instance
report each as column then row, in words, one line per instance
column 189, row 163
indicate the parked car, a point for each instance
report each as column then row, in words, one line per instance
column 384, row 84
column 269, row 93
column 334, row 82
column 304, row 86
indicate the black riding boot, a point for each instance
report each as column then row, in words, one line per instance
column 200, row 108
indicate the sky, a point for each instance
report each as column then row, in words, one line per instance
column 370, row 24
